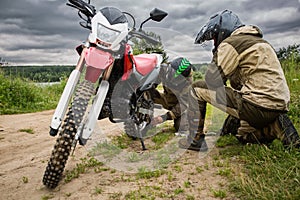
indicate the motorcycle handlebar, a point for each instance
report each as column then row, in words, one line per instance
column 143, row 35
column 90, row 11
column 83, row 7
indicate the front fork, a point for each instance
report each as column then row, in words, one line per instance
column 66, row 96
column 86, row 128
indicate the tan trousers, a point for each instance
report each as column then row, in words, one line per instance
column 258, row 125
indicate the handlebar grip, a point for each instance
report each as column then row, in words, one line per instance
column 83, row 7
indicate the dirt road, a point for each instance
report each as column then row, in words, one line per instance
column 24, row 156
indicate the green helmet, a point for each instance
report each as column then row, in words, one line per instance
column 182, row 66
column 176, row 72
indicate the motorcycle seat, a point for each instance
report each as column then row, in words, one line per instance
column 145, row 63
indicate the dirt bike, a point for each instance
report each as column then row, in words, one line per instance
column 124, row 83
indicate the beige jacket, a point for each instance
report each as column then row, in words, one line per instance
column 251, row 65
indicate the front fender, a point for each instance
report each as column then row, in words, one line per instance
column 97, row 61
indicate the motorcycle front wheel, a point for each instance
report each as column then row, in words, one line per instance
column 63, row 146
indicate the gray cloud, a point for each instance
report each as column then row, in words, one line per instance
column 47, row 31
column 269, row 4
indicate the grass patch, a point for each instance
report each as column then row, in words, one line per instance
column 161, row 138
column 122, row 141
column 219, row 193
column 46, row 197
column 25, row 179
column 134, row 157
column 226, row 141
column 216, row 118
column 199, row 169
column 165, row 133
column 19, row 96
column 187, row 184
column 224, row 172
column 82, row 168
column 144, row 173
column 262, row 172
column 106, row 149
column 27, row 130
column 268, row 173
column 146, row 192
column 98, row 190
column 178, row 191
column 116, row 195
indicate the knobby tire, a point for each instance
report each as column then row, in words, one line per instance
column 63, row 146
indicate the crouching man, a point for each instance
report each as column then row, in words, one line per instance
column 258, row 94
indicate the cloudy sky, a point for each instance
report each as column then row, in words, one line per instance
column 47, row 31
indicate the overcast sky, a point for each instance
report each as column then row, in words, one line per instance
column 47, row 31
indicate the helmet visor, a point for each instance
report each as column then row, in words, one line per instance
column 203, row 35
column 209, row 30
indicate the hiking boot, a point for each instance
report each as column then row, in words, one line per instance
column 231, row 125
column 195, row 145
column 291, row 137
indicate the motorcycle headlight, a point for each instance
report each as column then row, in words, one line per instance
column 106, row 36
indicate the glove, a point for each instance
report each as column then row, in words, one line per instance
column 162, row 118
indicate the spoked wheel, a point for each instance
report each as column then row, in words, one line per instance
column 140, row 117
column 65, row 140
column 135, row 112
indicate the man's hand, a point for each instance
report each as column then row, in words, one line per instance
column 157, row 120
column 160, row 119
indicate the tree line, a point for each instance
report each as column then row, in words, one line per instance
column 38, row 73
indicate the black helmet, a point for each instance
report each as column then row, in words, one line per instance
column 113, row 15
column 219, row 27
column 181, row 66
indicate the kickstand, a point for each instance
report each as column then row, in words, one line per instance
column 141, row 139
column 143, row 144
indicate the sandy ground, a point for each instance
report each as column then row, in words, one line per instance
column 24, row 156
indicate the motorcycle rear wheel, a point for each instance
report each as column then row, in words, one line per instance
column 63, row 146
column 130, row 127
column 125, row 106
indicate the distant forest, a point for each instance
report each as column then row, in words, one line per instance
column 54, row 73
column 38, row 73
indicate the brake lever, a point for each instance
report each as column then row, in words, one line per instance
column 86, row 25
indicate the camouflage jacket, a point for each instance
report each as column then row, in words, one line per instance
column 251, row 65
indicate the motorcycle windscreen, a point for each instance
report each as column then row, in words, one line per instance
column 97, row 61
